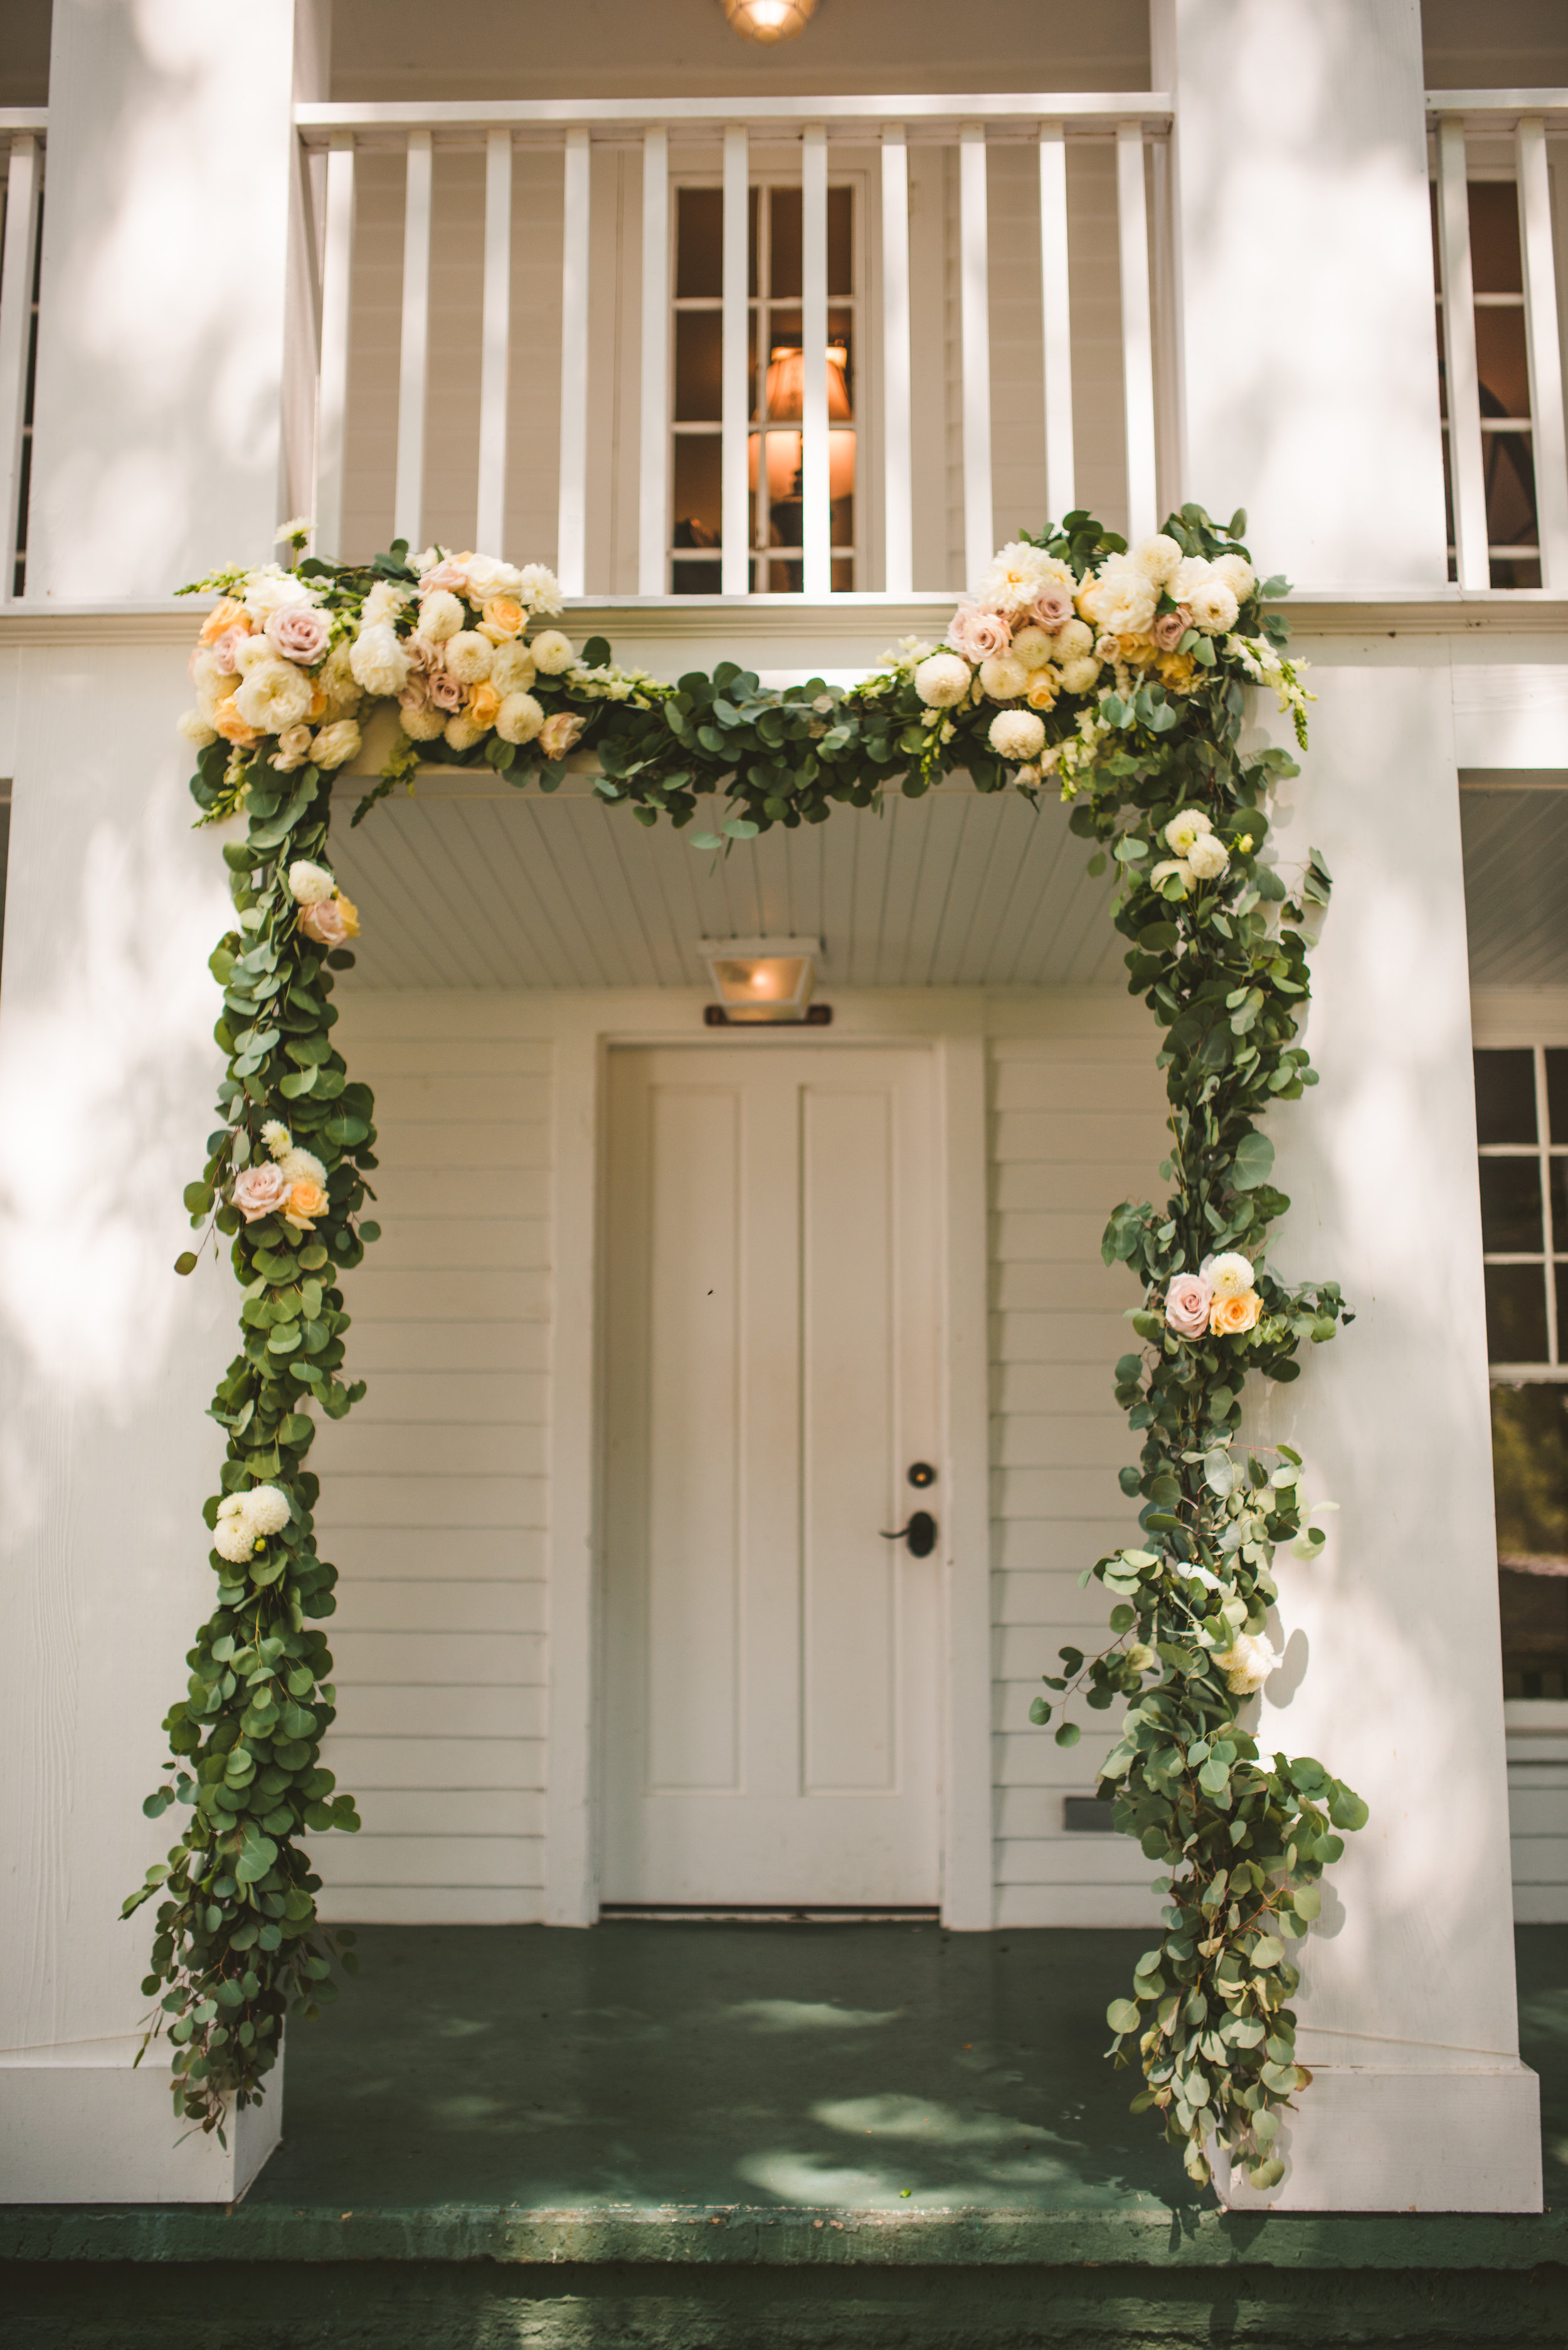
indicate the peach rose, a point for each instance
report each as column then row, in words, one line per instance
column 1051, row 607
column 1043, row 689
column 558, row 735
column 452, row 572
column 978, row 634
column 484, row 704
column 1229, row 1317
column 226, row 613
column 332, row 923
column 307, row 1199
column 502, row 616
column 258, row 1190
column 1187, row 1304
column 226, row 721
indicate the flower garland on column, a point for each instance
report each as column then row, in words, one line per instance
column 1121, row 678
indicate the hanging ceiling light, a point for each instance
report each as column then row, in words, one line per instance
column 758, row 980
column 769, row 20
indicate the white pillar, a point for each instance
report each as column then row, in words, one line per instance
column 1310, row 380
column 161, row 368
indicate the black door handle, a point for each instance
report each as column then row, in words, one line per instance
column 921, row 1534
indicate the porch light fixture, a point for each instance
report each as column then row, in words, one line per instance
column 769, row 20
column 759, row 981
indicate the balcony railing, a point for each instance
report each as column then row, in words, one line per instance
column 22, row 142
column 991, row 385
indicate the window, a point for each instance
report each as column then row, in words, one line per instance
column 774, row 368
column 1502, row 365
column 1522, row 1118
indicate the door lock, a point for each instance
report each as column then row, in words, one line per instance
column 921, row 1534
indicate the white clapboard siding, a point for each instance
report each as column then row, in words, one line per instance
column 434, row 1496
column 1538, row 1809
column 1076, row 1124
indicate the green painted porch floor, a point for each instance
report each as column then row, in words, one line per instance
column 648, row 2095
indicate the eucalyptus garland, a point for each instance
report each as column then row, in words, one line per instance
column 1120, row 678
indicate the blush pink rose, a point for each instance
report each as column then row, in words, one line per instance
column 1171, row 628
column 416, row 694
column 445, row 574
column 300, row 632
column 1187, row 1304
column 1051, row 607
column 558, row 735
column 226, row 647
column 331, row 924
column 978, row 634
column 258, row 1190
column 446, row 691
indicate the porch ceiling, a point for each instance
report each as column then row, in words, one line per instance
column 1515, row 829
column 474, row 885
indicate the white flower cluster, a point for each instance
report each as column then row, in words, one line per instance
column 298, row 1166
column 246, row 1520
column 1201, row 854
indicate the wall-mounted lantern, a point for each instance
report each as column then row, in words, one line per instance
column 759, row 981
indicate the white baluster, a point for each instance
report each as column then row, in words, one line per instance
column 332, row 399
column 897, row 511
column 15, row 323
column 490, row 515
column 817, row 513
column 572, row 527
column 1056, row 323
column 1137, row 332
column 974, row 327
column 1466, row 475
column 408, row 494
column 736, row 507
column 1549, row 444
column 653, row 505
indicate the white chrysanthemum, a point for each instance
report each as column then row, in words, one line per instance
column 1246, row 1663
column 1078, row 674
column 234, row 1537
column 1169, row 869
column 469, row 656
column 337, row 744
column 275, row 1136
column 424, row 726
column 513, row 669
column 1159, row 557
column 267, row 1508
column 1120, row 599
column 441, row 616
column 193, row 726
column 488, row 576
column 461, row 732
column 1017, row 734
column 1014, row 576
column 1182, row 830
column 248, row 650
column 310, row 884
column 1230, row 1274
column 1033, row 647
column 1003, row 677
column 384, row 602
column 1073, row 637
column 378, row 660
column 519, row 718
column 1238, row 576
column 552, row 652
column 273, row 694
column 301, row 1166
column 540, row 589
column 1213, row 608
column 273, row 589
column 1209, row 857
column 942, row 681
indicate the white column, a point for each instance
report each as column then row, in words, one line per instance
column 1325, row 429
column 158, row 447
column 158, row 453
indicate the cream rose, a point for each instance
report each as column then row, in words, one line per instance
column 559, row 734
column 271, row 588
column 337, row 744
column 292, row 749
column 378, row 660
column 1017, row 734
column 942, row 681
column 488, row 576
column 273, row 694
column 1121, row 599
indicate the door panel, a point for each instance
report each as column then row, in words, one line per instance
column 769, row 1727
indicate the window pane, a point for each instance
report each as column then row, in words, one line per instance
column 1515, row 1313
column 784, row 257
column 1494, row 237
column 695, row 578
column 1529, row 1467
column 699, row 499
column 840, row 279
column 1559, row 1179
column 1510, row 1204
column 1557, row 1091
column 699, row 366
column 1505, row 1096
column 699, row 241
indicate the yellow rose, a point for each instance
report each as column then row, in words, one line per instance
column 1229, row 1317
column 1137, row 651
column 1043, row 687
column 484, row 705
column 1177, row 669
column 306, row 1200
column 226, row 721
column 502, row 617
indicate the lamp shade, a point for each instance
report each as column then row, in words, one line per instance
column 769, row 20
column 761, row 980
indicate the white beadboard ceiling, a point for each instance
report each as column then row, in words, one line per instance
column 1516, row 880
column 473, row 886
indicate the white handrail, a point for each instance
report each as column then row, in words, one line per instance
column 1086, row 109
column 1466, row 472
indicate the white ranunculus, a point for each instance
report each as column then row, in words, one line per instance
column 942, row 681
column 1017, row 734
column 540, row 589
column 1183, row 829
column 1003, row 677
column 1035, row 648
column 1238, row 574
column 1169, row 867
column 1246, row 1663
column 384, row 602
column 337, row 744
column 273, row 694
column 424, row 726
column 1230, row 1274
column 337, row 682
column 1120, row 599
column 513, row 669
column 248, row 650
column 519, row 718
column 488, row 576
column 469, row 656
column 1209, row 857
column 378, row 660
column 193, row 726
column 1078, row 674
column 552, row 652
column 310, row 885
column 267, row 1508
column 1159, row 557
column 441, row 616
column 461, row 732
column 273, row 589
column 1213, row 608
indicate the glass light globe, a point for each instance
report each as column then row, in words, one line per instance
column 769, row 20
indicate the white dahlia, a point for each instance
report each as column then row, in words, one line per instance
column 519, row 718
column 552, row 652
column 469, row 656
column 1017, row 734
column 942, row 681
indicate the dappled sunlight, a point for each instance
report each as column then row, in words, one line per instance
column 806, row 2015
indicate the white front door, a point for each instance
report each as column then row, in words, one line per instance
column 771, row 1723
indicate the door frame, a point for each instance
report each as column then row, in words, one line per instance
column 586, row 1027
